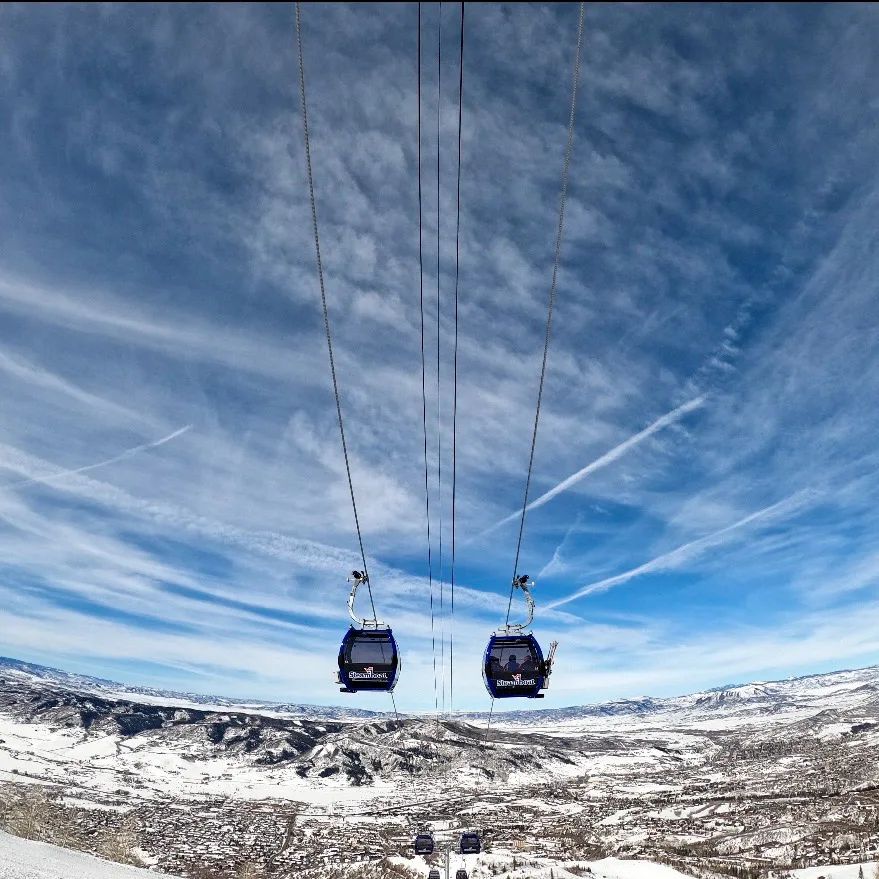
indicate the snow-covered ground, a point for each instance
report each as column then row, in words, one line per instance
column 838, row 871
column 144, row 768
column 23, row 859
column 616, row 868
column 500, row 866
column 735, row 708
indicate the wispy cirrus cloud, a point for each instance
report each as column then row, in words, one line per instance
column 675, row 557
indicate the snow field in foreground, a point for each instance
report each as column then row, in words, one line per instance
column 487, row 865
column 24, row 859
column 837, row 871
column 608, row 868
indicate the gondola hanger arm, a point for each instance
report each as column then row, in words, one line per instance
column 525, row 583
column 357, row 578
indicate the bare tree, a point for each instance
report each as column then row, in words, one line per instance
column 119, row 844
column 28, row 815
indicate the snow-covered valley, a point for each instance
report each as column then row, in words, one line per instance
column 769, row 776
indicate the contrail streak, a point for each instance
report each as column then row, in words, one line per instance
column 556, row 556
column 605, row 459
column 128, row 453
column 669, row 559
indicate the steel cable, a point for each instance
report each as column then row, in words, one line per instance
column 323, row 298
column 424, row 381
column 455, row 371
column 439, row 436
column 569, row 147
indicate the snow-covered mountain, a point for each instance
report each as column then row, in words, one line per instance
column 114, row 690
column 836, row 690
column 77, row 714
column 779, row 773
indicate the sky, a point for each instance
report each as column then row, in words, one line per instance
column 174, row 509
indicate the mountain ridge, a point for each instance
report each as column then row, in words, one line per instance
column 750, row 691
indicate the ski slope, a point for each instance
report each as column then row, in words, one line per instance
column 838, row 871
column 500, row 867
column 23, row 859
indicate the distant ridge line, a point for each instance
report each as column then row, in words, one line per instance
column 59, row 676
column 637, row 705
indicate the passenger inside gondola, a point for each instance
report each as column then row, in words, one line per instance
column 508, row 660
column 514, row 666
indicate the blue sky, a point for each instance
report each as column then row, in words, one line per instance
column 173, row 503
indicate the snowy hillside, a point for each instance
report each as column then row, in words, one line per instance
column 507, row 866
column 743, row 704
column 23, row 859
column 57, row 678
column 776, row 774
